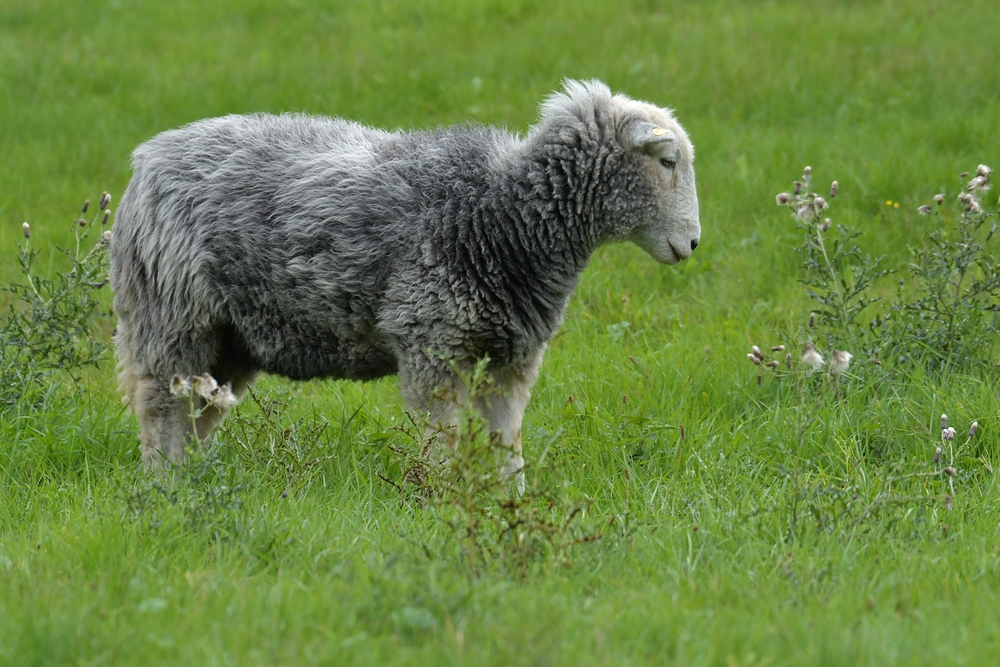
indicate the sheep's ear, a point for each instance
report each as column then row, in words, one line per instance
column 644, row 136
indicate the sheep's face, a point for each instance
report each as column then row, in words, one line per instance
column 661, row 201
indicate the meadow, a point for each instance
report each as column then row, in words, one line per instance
column 687, row 506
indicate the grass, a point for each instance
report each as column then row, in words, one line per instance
column 739, row 543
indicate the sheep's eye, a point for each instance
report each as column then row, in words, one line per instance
column 668, row 163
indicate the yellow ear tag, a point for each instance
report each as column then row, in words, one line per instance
column 659, row 131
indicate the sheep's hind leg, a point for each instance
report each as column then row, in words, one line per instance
column 164, row 422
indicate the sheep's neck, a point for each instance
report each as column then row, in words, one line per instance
column 538, row 238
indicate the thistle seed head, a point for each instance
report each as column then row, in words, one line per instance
column 105, row 200
column 180, row 386
column 937, row 455
column 86, row 205
column 812, row 358
column 755, row 350
column 924, row 210
column 975, row 425
column 754, row 359
column 26, row 228
column 948, row 470
column 772, row 364
column 834, row 189
column 820, row 203
column 798, row 187
column 984, row 171
column 825, row 226
column 970, row 203
column 979, row 183
column 206, row 386
column 939, row 198
column 104, row 220
column 777, row 348
column 782, row 198
column 840, row 361
column 224, row 398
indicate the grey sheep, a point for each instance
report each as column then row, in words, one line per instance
column 315, row 247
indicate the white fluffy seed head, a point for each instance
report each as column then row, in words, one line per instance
column 224, row 398
column 180, row 386
column 206, row 386
column 812, row 358
column 840, row 361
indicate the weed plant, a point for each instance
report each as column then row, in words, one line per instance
column 457, row 474
column 49, row 326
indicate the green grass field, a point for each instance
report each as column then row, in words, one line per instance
column 781, row 529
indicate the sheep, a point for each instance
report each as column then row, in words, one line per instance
column 309, row 247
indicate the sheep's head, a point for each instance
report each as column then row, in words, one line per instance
column 658, row 209
column 643, row 162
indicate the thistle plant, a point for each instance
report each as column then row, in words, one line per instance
column 48, row 327
column 836, row 274
column 950, row 316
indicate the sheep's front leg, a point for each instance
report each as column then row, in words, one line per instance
column 505, row 411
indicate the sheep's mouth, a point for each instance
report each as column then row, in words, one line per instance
column 675, row 255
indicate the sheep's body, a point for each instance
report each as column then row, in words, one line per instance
column 310, row 247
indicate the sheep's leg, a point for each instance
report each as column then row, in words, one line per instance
column 505, row 411
column 425, row 383
column 164, row 422
column 422, row 379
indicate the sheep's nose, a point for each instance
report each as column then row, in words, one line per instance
column 694, row 244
